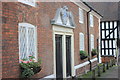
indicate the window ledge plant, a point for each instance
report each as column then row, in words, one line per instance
column 83, row 54
column 29, row 67
column 94, row 52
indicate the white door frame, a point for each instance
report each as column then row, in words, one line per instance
column 64, row 31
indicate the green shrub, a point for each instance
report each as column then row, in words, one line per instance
column 27, row 73
column 94, row 52
column 29, row 68
column 83, row 54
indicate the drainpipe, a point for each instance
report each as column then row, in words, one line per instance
column 88, row 36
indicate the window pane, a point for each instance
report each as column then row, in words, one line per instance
column 92, row 42
column 91, row 20
column 31, row 41
column 23, row 42
column 81, row 15
column 81, row 41
column 27, row 41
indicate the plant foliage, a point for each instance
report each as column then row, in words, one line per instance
column 29, row 68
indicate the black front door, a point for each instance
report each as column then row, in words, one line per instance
column 68, row 55
column 59, row 70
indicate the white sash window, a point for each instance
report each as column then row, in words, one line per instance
column 81, row 15
column 91, row 22
column 28, row 2
column 27, row 41
column 81, row 42
column 92, row 42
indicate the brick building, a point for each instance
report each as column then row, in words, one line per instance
column 53, row 32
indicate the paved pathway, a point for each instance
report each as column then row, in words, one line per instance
column 113, row 73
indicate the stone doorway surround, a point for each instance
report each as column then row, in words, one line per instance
column 64, row 32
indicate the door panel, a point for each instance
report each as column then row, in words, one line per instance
column 68, row 55
column 59, row 70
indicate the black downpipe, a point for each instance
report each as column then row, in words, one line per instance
column 88, row 32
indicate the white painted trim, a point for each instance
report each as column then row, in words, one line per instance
column 26, row 24
column 64, row 55
column 81, row 5
column 19, row 40
column 95, row 14
column 93, row 60
column 36, row 41
column 81, row 65
column 50, row 76
column 99, row 44
column 86, row 8
column 85, row 63
column 28, row 3
column 54, row 55
column 72, row 55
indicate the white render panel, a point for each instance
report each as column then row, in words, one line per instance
column 102, row 25
column 111, row 25
column 106, row 52
column 102, row 52
column 107, row 25
column 115, row 33
column 110, row 52
column 110, row 44
column 115, row 24
column 103, row 34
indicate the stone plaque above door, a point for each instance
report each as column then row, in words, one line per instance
column 64, row 18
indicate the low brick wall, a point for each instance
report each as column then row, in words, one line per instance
column 107, row 59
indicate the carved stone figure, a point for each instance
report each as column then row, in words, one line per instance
column 63, row 16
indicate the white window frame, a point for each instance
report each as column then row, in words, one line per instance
column 92, row 41
column 81, row 41
column 91, row 20
column 81, row 16
column 28, row 2
column 27, row 25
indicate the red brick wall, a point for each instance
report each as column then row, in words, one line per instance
column 107, row 59
column 82, row 70
column 10, row 52
column 0, row 40
column 40, row 16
